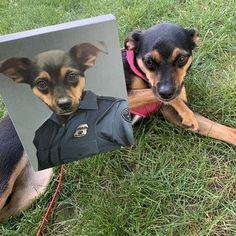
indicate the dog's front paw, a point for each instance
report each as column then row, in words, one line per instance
column 190, row 121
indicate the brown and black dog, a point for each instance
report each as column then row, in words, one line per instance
column 57, row 78
column 163, row 54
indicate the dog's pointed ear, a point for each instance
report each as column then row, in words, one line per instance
column 194, row 36
column 133, row 40
column 85, row 54
column 16, row 68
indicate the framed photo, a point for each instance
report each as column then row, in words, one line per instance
column 64, row 90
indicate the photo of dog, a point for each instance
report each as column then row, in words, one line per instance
column 82, row 124
column 51, row 107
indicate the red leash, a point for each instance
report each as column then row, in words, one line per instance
column 52, row 202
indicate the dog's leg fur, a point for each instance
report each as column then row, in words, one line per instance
column 28, row 186
column 20, row 185
column 188, row 117
column 140, row 97
column 10, row 185
column 206, row 127
column 215, row 130
column 12, row 161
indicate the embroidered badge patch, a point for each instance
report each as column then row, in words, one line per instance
column 126, row 115
column 81, row 131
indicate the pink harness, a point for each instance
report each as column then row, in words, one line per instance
column 146, row 110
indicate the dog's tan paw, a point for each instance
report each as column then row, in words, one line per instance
column 190, row 121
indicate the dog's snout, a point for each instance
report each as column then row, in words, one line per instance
column 64, row 103
column 166, row 91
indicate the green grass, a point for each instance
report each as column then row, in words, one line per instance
column 172, row 182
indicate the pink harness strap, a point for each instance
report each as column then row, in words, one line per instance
column 130, row 59
column 146, row 110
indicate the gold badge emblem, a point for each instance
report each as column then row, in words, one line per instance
column 81, row 131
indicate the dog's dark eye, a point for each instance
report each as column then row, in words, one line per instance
column 72, row 78
column 182, row 60
column 42, row 85
column 149, row 63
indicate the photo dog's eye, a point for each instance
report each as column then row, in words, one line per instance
column 42, row 85
column 72, row 78
column 182, row 60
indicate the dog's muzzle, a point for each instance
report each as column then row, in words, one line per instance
column 64, row 104
column 166, row 93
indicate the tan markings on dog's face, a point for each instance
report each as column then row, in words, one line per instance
column 178, row 63
column 46, row 98
column 155, row 55
column 64, row 70
column 151, row 74
column 181, row 72
column 67, row 86
column 152, row 77
column 44, row 74
column 174, row 55
column 76, row 92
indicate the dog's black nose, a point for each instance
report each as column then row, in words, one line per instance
column 64, row 103
column 166, row 91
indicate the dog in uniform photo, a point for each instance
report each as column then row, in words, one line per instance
column 82, row 123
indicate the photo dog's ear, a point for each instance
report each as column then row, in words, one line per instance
column 133, row 39
column 85, row 54
column 16, row 68
column 194, row 36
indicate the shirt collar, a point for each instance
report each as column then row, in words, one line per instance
column 88, row 102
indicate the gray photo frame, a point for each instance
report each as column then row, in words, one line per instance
column 105, row 79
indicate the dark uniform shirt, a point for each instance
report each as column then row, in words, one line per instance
column 100, row 124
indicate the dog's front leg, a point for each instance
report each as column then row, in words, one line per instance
column 141, row 97
column 207, row 127
column 187, row 116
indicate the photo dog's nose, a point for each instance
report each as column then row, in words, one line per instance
column 64, row 103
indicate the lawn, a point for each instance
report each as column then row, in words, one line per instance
column 172, row 182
